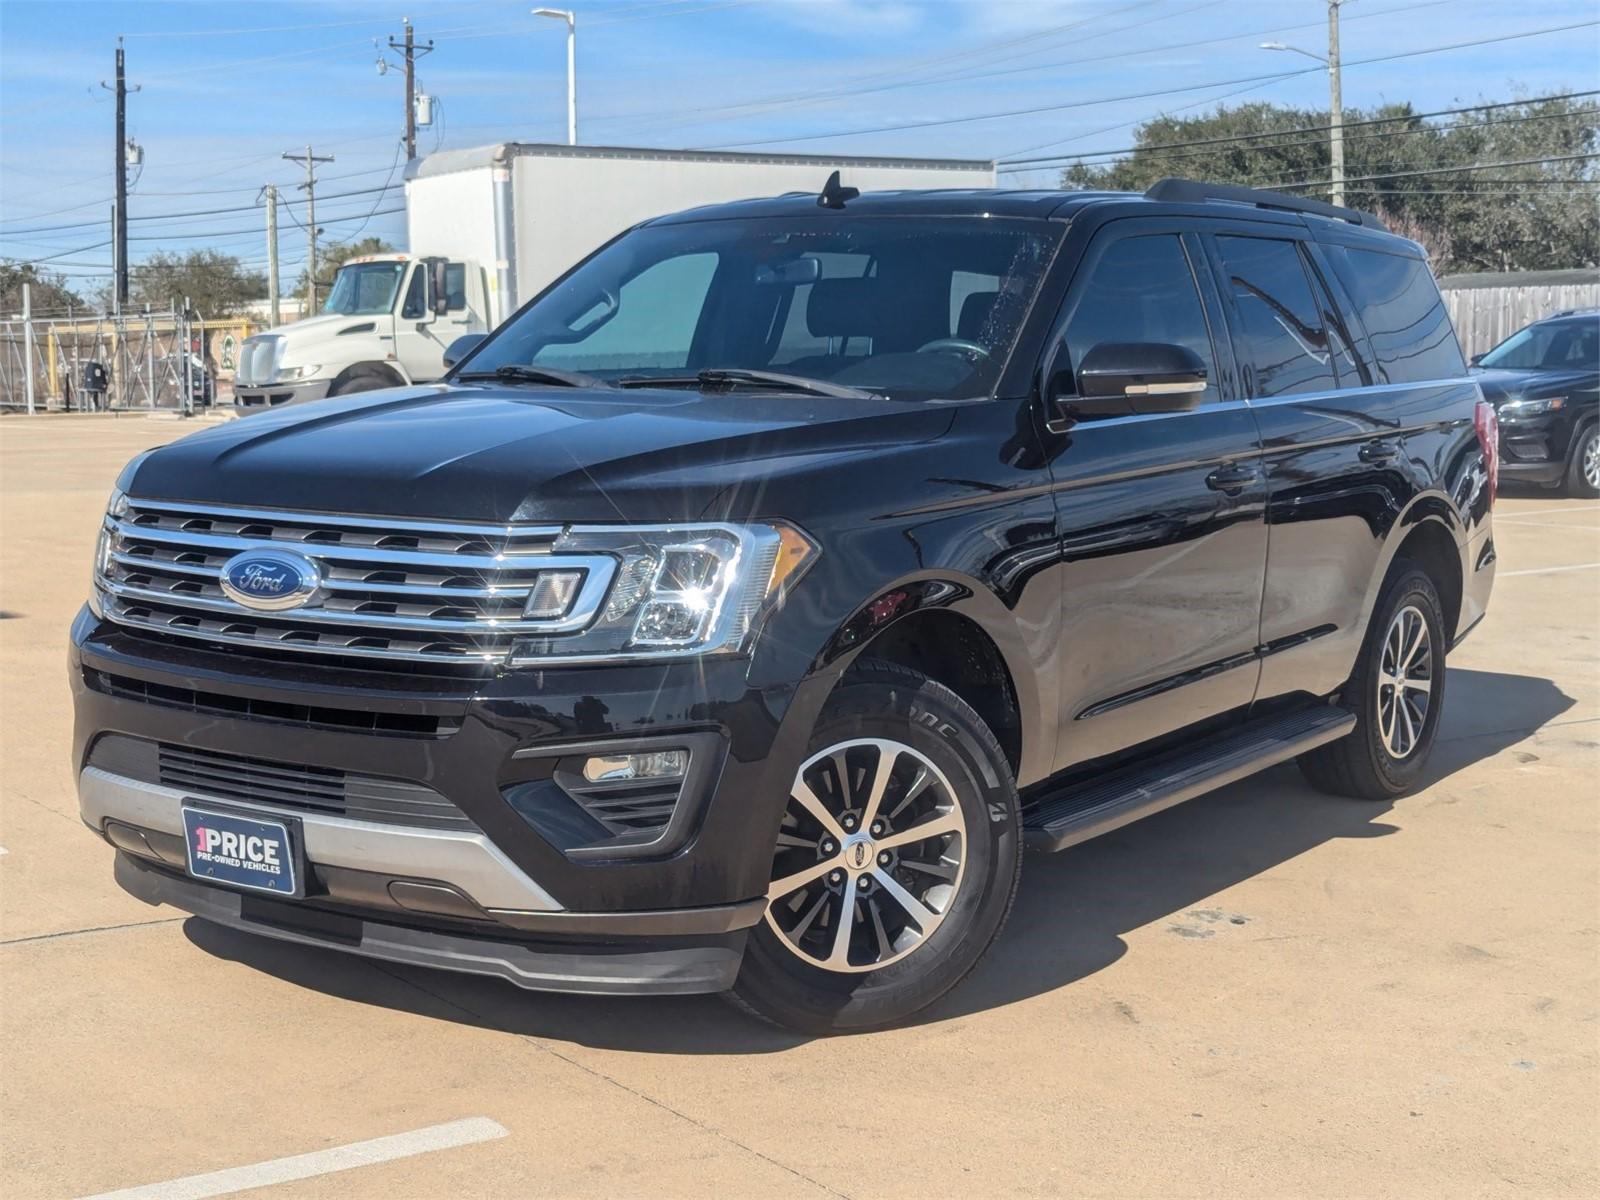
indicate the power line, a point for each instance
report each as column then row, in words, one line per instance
column 198, row 212
column 1046, row 108
column 1516, row 162
column 1311, row 129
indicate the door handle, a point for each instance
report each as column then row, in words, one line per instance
column 1379, row 452
column 1233, row 478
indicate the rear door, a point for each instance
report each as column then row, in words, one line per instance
column 1334, row 436
column 1163, row 541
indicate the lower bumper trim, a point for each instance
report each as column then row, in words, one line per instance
column 664, row 969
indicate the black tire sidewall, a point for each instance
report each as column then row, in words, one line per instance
column 1577, row 485
column 1411, row 587
column 901, row 705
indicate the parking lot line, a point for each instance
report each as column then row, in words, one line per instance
column 1542, row 517
column 448, row 1136
column 1547, row 570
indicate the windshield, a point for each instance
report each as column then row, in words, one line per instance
column 363, row 288
column 1556, row 346
column 924, row 307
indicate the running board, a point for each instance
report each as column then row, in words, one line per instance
column 1063, row 818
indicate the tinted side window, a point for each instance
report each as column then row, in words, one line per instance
column 1283, row 334
column 1406, row 321
column 1142, row 290
column 416, row 305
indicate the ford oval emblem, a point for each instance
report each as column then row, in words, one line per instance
column 270, row 579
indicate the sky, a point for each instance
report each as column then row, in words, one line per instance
column 227, row 86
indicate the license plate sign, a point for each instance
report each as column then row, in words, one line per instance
column 240, row 851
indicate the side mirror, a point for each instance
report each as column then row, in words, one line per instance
column 1477, row 359
column 441, row 288
column 461, row 347
column 1118, row 379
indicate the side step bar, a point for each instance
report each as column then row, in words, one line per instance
column 1066, row 817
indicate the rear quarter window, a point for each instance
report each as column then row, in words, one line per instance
column 1406, row 321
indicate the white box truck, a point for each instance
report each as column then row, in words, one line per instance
column 488, row 228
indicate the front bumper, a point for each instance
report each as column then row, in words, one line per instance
column 495, row 872
column 253, row 395
column 1534, row 449
column 677, row 966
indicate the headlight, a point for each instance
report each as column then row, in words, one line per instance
column 677, row 590
column 290, row 374
column 1532, row 408
column 116, row 509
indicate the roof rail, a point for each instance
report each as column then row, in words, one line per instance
column 1190, row 191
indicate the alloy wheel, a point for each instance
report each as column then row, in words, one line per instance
column 1591, row 461
column 870, row 857
column 1405, row 682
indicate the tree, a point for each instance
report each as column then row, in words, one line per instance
column 216, row 285
column 334, row 255
column 46, row 293
column 1537, row 216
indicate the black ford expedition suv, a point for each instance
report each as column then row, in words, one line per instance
column 737, row 612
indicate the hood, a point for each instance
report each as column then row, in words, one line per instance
column 1500, row 385
column 526, row 453
column 327, row 326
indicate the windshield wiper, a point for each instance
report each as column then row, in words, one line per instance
column 732, row 377
column 523, row 373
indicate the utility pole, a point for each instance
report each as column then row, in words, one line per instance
column 1335, row 104
column 309, row 187
column 119, row 213
column 412, row 53
column 272, row 250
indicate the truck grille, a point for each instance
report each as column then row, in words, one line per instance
column 406, row 590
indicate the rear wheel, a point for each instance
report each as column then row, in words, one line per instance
column 1397, row 694
column 1583, row 473
column 896, row 861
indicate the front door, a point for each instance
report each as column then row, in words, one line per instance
column 1164, row 541
column 420, row 334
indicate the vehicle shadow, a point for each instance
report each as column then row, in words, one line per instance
column 1070, row 918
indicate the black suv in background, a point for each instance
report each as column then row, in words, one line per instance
column 737, row 612
column 1544, row 381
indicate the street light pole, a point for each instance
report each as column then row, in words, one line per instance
column 1335, row 104
column 1335, row 99
column 571, row 18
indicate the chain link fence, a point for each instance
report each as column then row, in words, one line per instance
column 142, row 360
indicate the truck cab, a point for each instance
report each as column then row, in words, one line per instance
column 386, row 323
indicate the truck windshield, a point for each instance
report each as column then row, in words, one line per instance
column 364, row 288
column 922, row 307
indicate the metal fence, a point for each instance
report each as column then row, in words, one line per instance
column 1486, row 309
column 151, row 361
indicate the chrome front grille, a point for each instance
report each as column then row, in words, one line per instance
column 258, row 359
column 410, row 590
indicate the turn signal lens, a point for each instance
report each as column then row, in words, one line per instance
column 795, row 552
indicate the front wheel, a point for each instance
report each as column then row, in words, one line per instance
column 1583, row 474
column 896, row 861
column 1397, row 694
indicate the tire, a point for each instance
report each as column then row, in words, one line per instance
column 362, row 381
column 1583, row 472
column 1386, row 753
column 947, row 772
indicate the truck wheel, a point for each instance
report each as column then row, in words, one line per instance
column 1583, row 473
column 896, row 862
column 1397, row 694
column 362, row 379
